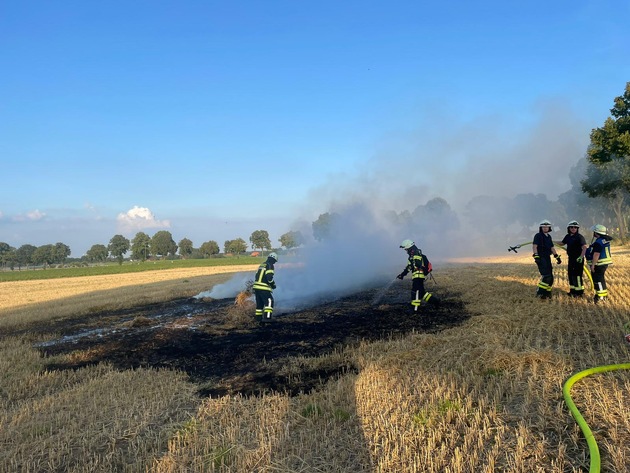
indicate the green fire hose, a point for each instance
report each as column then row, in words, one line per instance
column 588, row 435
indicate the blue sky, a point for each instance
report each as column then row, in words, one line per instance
column 212, row 119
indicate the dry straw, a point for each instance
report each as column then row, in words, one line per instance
column 482, row 397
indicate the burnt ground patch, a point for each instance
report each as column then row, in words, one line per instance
column 222, row 357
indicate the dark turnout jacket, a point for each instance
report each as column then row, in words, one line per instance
column 263, row 281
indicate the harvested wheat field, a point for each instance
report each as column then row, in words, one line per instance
column 138, row 376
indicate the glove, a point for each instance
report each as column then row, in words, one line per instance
column 579, row 259
column 400, row 276
column 273, row 285
column 536, row 257
column 558, row 259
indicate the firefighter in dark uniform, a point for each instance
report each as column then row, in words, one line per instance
column 419, row 267
column 543, row 249
column 598, row 257
column 576, row 249
column 263, row 287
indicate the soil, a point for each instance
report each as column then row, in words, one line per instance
column 225, row 351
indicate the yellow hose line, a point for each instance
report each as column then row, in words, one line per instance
column 590, row 277
column 588, row 435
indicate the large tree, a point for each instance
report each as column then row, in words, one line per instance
column 291, row 239
column 185, row 248
column 260, row 239
column 438, row 212
column 235, row 246
column 323, row 226
column 118, row 246
column 140, row 246
column 44, row 255
column 25, row 255
column 97, row 253
column 209, row 248
column 162, row 244
column 605, row 180
column 62, row 251
column 5, row 249
column 578, row 205
column 609, row 155
column 8, row 256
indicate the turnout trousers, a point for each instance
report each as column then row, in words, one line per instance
column 576, row 271
column 419, row 295
column 599, row 281
column 546, row 277
column 264, row 304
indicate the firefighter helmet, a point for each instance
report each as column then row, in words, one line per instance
column 273, row 255
column 573, row 223
column 600, row 229
column 406, row 244
column 544, row 223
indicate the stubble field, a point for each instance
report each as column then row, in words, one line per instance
column 131, row 374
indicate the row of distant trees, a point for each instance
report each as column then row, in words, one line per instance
column 27, row 255
column 141, row 247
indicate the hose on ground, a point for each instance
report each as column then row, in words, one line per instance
column 588, row 434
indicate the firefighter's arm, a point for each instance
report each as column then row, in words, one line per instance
column 581, row 257
column 555, row 253
column 269, row 276
column 420, row 264
column 404, row 273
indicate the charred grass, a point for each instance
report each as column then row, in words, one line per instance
column 472, row 386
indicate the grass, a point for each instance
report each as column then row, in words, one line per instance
column 126, row 267
column 482, row 397
column 24, row 302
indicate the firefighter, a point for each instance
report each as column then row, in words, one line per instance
column 543, row 249
column 598, row 258
column 420, row 267
column 263, row 287
column 576, row 248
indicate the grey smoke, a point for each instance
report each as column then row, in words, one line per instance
column 420, row 186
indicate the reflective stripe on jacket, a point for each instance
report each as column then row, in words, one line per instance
column 604, row 255
column 417, row 265
column 264, row 277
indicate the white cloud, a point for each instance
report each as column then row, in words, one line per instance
column 139, row 218
column 33, row 216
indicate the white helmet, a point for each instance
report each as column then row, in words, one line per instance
column 573, row 223
column 545, row 223
column 406, row 244
column 273, row 255
column 599, row 229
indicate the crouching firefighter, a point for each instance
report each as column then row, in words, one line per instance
column 263, row 287
column 598, row 258
column 420, row 268
column 543, row 249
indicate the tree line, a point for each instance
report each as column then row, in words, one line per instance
column 141, row 248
